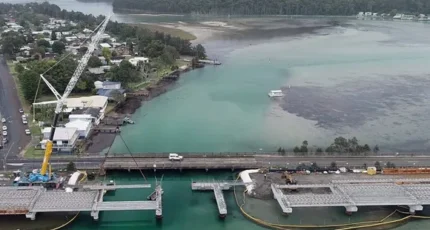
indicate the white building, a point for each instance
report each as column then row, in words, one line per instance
column 135, row 60
column 64, row 138
column 116, row 61
column 83, row 127
column 107, row 85
column 105, row 45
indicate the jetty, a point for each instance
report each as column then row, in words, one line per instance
column 29, row 201
column 217, row 187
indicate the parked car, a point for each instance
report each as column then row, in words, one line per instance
column 4, row 127
column 24, row 116
column 21, row 110
column 4, row 133
column 27, row 131
column 3, row 120
column 4, row 140
column 24, row 121
column 175, row 157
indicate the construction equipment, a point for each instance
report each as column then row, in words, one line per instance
column 42, row 176
column 288, row 178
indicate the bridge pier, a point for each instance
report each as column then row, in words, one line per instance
column 413, row 208
column 31, row 215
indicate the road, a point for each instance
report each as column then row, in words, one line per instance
column 9, row 109
column 201, row 162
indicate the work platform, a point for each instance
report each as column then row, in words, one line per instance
column 351, row 194
column 32, row 200
column 217, row 187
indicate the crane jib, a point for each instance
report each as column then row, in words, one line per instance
column 60, row 102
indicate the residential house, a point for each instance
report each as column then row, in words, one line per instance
column 93, row 115
column 71, row 38
column 105, row 45
column 64, row 139
column 135, row 60
column 103, row 60
column 87, row 31
column 116, row 61
column 106, row 88
column 99, row 70
column 83, row 127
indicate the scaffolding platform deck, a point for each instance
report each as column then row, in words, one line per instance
column 351, row 194
column 32, row 200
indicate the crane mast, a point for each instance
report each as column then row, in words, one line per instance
column 72, row 83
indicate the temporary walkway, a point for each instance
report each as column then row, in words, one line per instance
column 217, row 187
column 33, row 200
column 353, row 193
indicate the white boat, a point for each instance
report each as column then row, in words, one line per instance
column 276, row 93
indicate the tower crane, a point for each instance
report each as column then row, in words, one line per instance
column 42, row 175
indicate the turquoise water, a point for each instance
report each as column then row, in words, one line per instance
column 380, row 68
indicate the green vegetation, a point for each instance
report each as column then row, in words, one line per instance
column 274, row 7
column 32, row 152
column 71, row 167
column 340, row 145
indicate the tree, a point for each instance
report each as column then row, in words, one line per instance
column 19, row 68
column 94, row 62
column 38, row 52
column 314, row 167
column 11, row 43
column 117, row 96
column 390, row 165
column 53, row 36
column 44, row 43
column 107, row 54
column 124, row 73
column 200, row 52
column 29, row 79
column 114, row 53
column 376, row 149
column 58, row 47
column 296, row 149
column 378, row 165
column 71, row 166
column 319, row 150
column 333, row 165
column 170, row 54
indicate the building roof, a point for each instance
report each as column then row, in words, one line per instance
column 108, row 92
column 106, row 83
column 105, row 45
column 61, row 133
column 91, row 102
column 78, row 124
column 89, row 112
column 97, row 70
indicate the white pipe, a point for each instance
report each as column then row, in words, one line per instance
column 244, row 175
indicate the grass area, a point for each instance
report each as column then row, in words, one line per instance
column 32, row 152
column 167, row 30
column 35, row 129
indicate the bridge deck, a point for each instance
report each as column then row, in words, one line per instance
column 355, row 194
column 31, row 200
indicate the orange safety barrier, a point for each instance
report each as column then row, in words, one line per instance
column 403, row 171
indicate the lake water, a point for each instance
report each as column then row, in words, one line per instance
column 367, row 79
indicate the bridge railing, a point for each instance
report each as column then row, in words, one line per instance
column 253, row 154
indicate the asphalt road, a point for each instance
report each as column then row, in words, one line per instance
column 264, row 161
column 9, row 109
